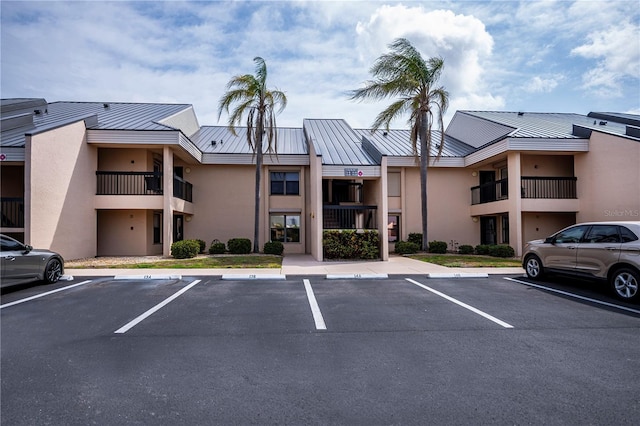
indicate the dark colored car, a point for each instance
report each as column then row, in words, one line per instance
column 22, row 263
column 606, row 251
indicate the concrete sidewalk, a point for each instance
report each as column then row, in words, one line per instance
column 306, row 265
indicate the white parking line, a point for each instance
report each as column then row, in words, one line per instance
column 151, row 311
column 575, row 296
column 315, row 309
column 464, row 305
column 37, row 296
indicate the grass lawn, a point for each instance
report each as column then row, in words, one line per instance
column 200, row 262
column 467, row 261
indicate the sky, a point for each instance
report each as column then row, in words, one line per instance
column 534, row 56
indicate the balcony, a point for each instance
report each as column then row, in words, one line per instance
column 549, row 187
column 349, row 217
column 531, row 187
column 12, row 209
column 140, row 183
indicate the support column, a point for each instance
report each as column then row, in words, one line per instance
column 167, row 191
column 383, row 210
column 515, row 202
column 315, row 214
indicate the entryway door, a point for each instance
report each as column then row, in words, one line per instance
column 488, row 233
column 178, row 227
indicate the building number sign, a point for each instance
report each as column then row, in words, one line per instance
column 352, row 172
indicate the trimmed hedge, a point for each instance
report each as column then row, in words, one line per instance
column 347, row 244
column 217, row 247
column 482, row 249
column 239, row 246
column 406, row 247
column 437, row 247
column 501, row 251
column 203, row 245
column 273, row 247
column 465, row 249
column 185, row 249
column 416, row 238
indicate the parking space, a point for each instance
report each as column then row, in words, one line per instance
column 315, row 351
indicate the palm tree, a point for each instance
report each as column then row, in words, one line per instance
column 249, row 94
column 404, row 73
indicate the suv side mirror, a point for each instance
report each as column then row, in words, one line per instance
column 549, row 240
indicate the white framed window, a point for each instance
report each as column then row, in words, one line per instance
column 285, row 183
column 285, row 228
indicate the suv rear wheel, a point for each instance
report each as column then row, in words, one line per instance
column 625, row 283
column 533, row 267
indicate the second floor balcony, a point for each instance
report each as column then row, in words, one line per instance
column 140, row 183
column 539, row 187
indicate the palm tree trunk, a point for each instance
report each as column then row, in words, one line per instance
column 256, row 223
column 424, row 165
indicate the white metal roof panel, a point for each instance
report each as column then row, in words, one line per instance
column 290, row 141
column 337, row 142
column 397, row 143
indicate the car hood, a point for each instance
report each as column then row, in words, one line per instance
column 45, row 252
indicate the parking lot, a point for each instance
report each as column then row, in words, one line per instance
column 310, row 350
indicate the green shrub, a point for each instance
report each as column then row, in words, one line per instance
column 273, row 247
column 437, row 247
column 348, row 244
column 239, row 246
column 482, row 249
column 501, row 250
column 202, row 244
column 407, row 247
column 415, row 238
column 217, row 247
column 185, row 249
column 465, row 249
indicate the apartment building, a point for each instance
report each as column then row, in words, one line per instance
column 100, row 179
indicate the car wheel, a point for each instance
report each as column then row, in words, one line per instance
column 533, row 267
column 625, row 283
column 52, row 271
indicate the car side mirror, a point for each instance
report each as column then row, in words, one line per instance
column 549, row 240
column 27, row 248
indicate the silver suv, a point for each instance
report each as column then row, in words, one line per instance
column 608, row 251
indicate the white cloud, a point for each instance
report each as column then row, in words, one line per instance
column 542, row 85
column 617, row 51
column 461, row 40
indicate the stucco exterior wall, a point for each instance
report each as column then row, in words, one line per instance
column 449, row 203
column 125, row 160
column 547, row 165
column 223, row 203
column 609, row 179
column 60, row 187
column 124, row 232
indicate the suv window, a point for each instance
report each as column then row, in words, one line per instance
column 603, row 234
column 571, row 235
column 627, row 235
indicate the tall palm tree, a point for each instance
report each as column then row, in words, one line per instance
column 249, row 94
column 404, row 73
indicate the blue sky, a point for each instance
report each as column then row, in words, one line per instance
column 542, row 56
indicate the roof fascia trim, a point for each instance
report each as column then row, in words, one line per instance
column 89, row 121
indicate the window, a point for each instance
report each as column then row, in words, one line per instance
column 571, row 235
column 393, row 184
column 285, row 228
column 157, row 227
column 627, row 235
column 505, row 229
column 393, row 228
column 285, row 183
column 603, row 234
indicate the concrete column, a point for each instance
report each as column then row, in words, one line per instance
column 167, row 190
column 515, row 201
column 383, row 210
column 315, row 214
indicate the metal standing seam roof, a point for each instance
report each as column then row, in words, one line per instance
column 111, row 116
column 540, row 125
column 290, row 141
column 398, row 143
column 337, row 142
